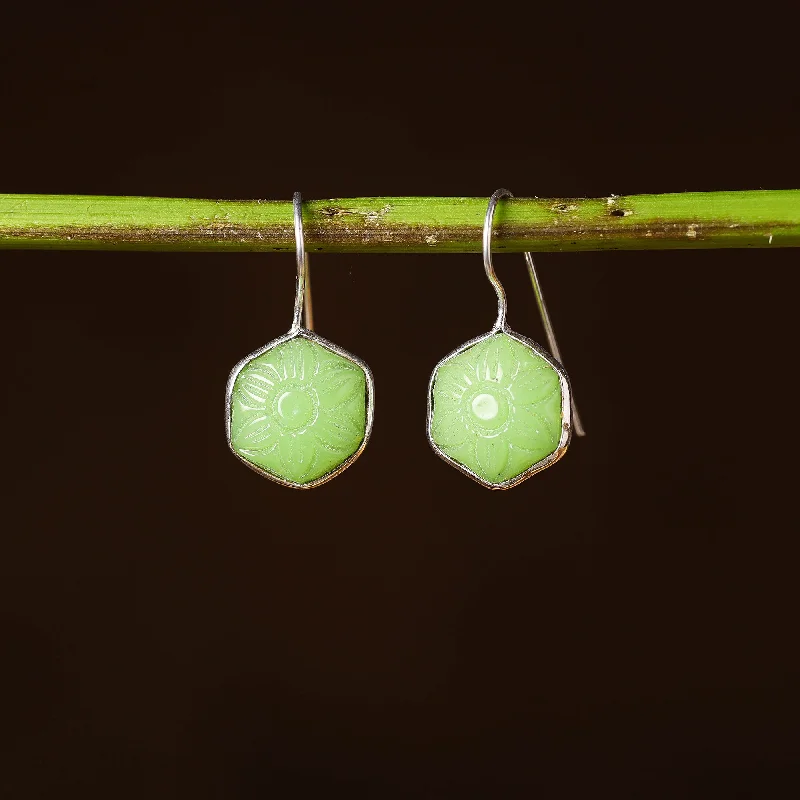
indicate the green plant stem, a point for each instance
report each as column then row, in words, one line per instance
column 403, row 224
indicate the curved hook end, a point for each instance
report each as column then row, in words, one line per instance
column 302, row 261
column 502, row 303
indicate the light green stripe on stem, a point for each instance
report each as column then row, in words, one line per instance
column 403, row 224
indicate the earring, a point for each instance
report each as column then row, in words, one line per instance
column 499, row 407
column 299, row 410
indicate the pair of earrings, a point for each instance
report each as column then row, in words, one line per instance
column 300, row 409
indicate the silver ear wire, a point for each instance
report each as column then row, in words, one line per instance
column 577, row 426
column 502, row 303
column 302, row 302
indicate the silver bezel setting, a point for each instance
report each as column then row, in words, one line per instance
column 566, row 411
column 302, row 333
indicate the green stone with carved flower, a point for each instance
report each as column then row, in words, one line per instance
column 298, row 410
column 497, row 408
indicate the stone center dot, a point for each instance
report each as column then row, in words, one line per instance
column 295, row 408
column 485, row 407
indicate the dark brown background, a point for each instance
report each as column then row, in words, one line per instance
column 174, row 626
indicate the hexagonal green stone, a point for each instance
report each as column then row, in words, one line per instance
column 298, row 410
column 497, row 408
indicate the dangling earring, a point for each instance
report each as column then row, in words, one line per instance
column 499, row 407
column 299, row 410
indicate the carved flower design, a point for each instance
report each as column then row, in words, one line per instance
column 497, row 408
column 298, row 410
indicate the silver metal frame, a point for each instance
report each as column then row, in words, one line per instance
column 302, row 307
column 500, row 326
column 566, row 421
column 301, row 333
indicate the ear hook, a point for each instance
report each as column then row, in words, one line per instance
column 577, row 426
column 502, row 304
column 302, row 300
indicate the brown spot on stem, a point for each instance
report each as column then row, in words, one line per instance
column 563, row 208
